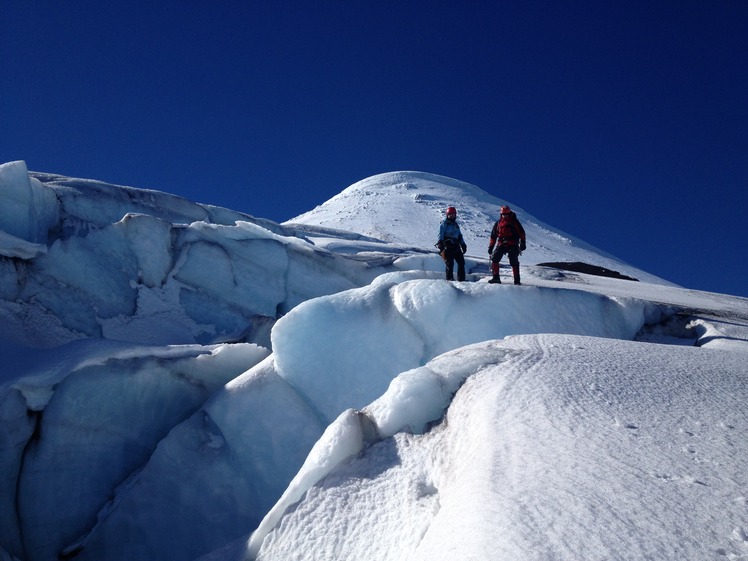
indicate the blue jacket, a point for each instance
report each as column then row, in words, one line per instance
column 450, row 230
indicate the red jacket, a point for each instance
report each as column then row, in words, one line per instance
column 507, row 231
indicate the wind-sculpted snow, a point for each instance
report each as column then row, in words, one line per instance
column 361, row 338
column 555, row 447
column 413, row 400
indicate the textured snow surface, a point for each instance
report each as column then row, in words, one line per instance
column 555, row 447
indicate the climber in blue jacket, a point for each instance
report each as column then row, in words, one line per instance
column 451, row 245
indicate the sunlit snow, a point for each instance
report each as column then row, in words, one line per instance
column 185, row 382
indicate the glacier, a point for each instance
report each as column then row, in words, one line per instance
column 186, row 382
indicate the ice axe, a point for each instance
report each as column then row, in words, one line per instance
column 441, row 252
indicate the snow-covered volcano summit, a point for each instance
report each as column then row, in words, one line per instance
column 406, row 208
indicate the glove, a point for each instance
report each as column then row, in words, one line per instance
column 522, row 245
column 440, row 246
column 490, row 250
column 464, row 247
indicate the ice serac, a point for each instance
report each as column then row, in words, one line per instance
column 213, row 477
column 88, row 259
column 101, row 425
column 17, row 428
column 29, row 209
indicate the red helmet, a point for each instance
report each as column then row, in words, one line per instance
column 451, row 211
column 505, row 209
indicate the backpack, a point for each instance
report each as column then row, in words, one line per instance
column 506, row 229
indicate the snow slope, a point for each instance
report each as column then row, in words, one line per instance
column 186, row 382
column 406, row 208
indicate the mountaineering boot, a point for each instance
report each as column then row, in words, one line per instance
column 495, row 271
column 515, row 271
column 449, row 273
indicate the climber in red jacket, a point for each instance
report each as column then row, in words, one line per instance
column 507, row 238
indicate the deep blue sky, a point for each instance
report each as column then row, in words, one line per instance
column 622, row 123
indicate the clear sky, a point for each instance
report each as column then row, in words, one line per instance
column 622, row 123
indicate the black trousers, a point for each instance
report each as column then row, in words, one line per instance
column 511, row 250
column 453, row 253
